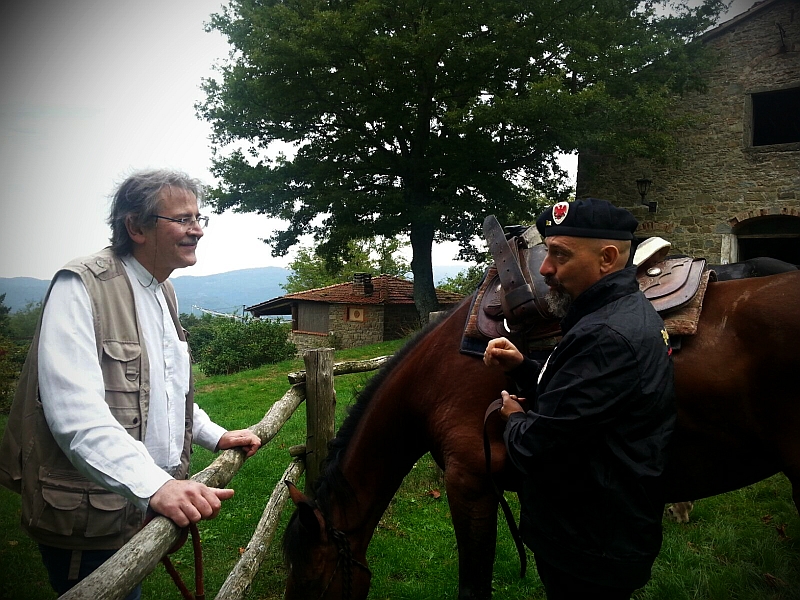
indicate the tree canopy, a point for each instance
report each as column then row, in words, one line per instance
column 309, row 269
column 420, row 117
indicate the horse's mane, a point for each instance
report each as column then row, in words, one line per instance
column 331, row 486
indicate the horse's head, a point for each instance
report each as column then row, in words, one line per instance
column 319, row 558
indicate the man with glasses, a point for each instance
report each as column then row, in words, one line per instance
column 103, row 420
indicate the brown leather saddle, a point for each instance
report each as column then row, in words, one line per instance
column 510, row 301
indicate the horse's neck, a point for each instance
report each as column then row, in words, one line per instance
column 389, row 439
column 386, row 446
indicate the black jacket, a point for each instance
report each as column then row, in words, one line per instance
column 592, row 443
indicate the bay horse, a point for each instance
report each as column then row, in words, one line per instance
column 760, row 266
column 736, row 382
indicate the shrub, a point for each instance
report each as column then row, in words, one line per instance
column 199, row 338
column 238, row 345
column 12, row 357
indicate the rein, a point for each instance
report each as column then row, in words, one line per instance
column 512, row 525
column 346, row 559
column 198, row 561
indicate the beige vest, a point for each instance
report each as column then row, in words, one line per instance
column 60, row 507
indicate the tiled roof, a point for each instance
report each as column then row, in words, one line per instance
column 386, row 289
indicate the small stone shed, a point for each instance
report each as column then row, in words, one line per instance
column 346, row 315
column 735, row 193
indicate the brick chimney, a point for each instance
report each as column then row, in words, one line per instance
column 362, row 284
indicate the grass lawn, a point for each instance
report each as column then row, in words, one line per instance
column 744, row 545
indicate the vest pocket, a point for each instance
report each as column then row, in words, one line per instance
column 106, row 514
column 59, row 510
column 129, row 418
column 72, row 505
column 121, row 366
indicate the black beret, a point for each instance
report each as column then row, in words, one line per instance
column 588, row 217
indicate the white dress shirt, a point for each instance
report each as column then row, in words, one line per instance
column 73, row 395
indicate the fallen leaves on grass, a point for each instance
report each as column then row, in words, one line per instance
column 781, row 529
column 773, row 581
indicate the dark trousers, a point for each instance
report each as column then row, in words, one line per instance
column 66, row 569
column 560, row 585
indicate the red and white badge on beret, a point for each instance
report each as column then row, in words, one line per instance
column 560, row 211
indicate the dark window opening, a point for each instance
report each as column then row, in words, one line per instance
column 776, row 236
column 776, row 117
column 785, row 249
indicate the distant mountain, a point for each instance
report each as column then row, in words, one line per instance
column 224, row 292
column 20, row 291
column 229, row 292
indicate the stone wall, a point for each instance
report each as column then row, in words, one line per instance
column 352, row 334
column 344, row 333
column 380, row 323
column 309, row 341
column 721, row 179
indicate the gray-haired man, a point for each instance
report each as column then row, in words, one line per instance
column 104, row 417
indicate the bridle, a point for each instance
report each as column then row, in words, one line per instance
column 346, row 561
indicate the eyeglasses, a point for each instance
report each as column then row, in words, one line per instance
column 187, row 222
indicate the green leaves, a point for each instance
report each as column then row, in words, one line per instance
column 323, row 266
column 223, row 346
column 422, row 116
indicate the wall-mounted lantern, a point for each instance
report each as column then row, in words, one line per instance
column 643, row 186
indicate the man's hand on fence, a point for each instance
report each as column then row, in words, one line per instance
column 185, row 501
column 241, row 438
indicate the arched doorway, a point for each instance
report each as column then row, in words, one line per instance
column 776, row 236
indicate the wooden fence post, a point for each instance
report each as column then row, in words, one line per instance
column 320, row 410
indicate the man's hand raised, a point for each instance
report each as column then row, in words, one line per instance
column 500, row 352
column 186, row 501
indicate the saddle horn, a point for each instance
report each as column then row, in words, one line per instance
column 518, row 298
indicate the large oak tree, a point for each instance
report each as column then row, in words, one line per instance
column 420, row 117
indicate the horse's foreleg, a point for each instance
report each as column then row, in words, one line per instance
column 473, row 507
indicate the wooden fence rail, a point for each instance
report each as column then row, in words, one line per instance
column 137, row 559
column 346, row 367
column 140, row 556
column 243, row 573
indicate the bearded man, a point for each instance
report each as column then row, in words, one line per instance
column 588, row 429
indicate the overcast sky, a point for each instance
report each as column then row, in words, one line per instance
column 91, row 90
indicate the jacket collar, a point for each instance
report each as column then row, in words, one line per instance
column 609, row 288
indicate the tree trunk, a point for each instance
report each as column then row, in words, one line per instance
column 422, row 268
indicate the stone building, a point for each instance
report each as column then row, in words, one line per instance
column 735, row 193
column 347, row 315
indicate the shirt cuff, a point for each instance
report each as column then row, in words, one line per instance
column 208, row 435
column 154, row 483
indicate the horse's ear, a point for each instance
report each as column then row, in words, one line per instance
column 310, row 516
column 295, row 494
